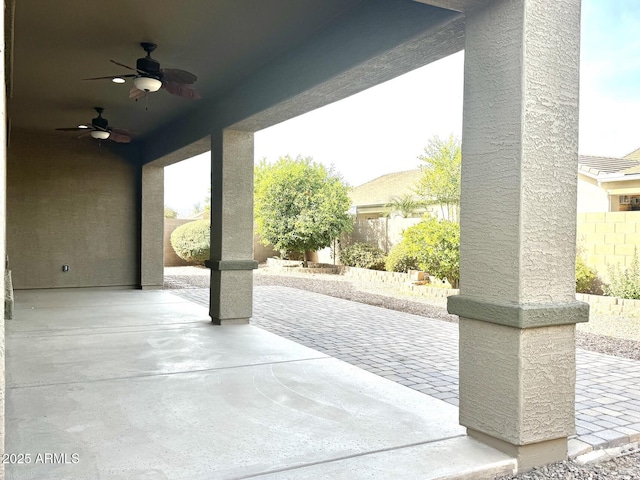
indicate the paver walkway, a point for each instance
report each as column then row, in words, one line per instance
column 422, row 354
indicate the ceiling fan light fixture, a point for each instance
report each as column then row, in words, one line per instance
column 82, row 126
column 147, row 84
column 118, row 80
column 100, row 135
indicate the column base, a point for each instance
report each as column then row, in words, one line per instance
column 231, row 297
column 230, row 321
column 527, row 456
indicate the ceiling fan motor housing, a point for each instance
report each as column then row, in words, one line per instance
column 149, row 66
column 100, row 122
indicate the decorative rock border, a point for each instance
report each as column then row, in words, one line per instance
column 295, row 266
column 408, row 283
column 611, row 305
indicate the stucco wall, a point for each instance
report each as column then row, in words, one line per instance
column 608, row 238
column 69, row 202
column 591, row 197
column 381, row 232
column 262, row 252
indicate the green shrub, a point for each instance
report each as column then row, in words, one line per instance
column 363, row 255
column 587, row 280
column 436, row 245
column 400, row 260
column 191, row 241
column 625, row 283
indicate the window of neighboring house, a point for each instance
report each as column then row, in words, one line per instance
column 628, row 202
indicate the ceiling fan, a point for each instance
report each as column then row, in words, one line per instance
column 149, row 77
column 99, row 129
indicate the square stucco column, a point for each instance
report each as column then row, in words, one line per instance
column 231, row 260
column 517, row 302
column 152, row 227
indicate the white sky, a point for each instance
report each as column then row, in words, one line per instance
column 385, row 128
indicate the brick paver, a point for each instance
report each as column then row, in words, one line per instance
column 422, row 353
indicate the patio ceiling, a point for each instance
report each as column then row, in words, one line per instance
column 55, row 45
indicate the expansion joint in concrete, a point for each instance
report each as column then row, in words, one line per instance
column 519, row 315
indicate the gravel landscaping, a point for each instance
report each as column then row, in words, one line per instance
column 626, row 466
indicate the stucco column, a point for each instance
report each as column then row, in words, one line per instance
column 517, row 302
column 231, row 260
column 152, row 227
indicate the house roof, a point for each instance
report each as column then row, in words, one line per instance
column 632, row 170
column 635, row 155
column 598, row 166
column 381, row 190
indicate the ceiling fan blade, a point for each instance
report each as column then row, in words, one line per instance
column 176, row 75
column 111, row 77
column 136, row 93
column 123, row 131
column 127, row 66
column 119, row 137
column 181, row 90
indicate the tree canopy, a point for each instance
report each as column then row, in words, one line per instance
column 440, row 180
column 435, row 244
column 170, row 212
column 405, row 205
column 300, row 206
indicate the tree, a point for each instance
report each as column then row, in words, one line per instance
column 435, row 244
column 170, row 212
column 440, row 180
column 300, row 206
column 406, row 205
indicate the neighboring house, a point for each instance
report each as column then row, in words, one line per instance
column 377, row 223
column 609, row 184
column 370, row 200
column 605, row 184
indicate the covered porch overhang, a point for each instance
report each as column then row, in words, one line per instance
column 260, row 63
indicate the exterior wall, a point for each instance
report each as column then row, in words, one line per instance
column 606, row 196
column 170, row 257
column 70, row 202
column 629, row 189
column 591, row 197
column 381, row 232
column 262, row 252
column 151, row 226
column 608, row 239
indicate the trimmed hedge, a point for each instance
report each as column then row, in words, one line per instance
column 191, row 241
column 400, row 260
column 363, row 255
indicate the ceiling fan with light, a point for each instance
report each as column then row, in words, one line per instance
column 149, row 77
column 99, row 129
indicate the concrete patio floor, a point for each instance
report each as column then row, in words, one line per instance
column 139, row 384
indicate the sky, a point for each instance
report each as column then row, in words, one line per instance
column 385, row 128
